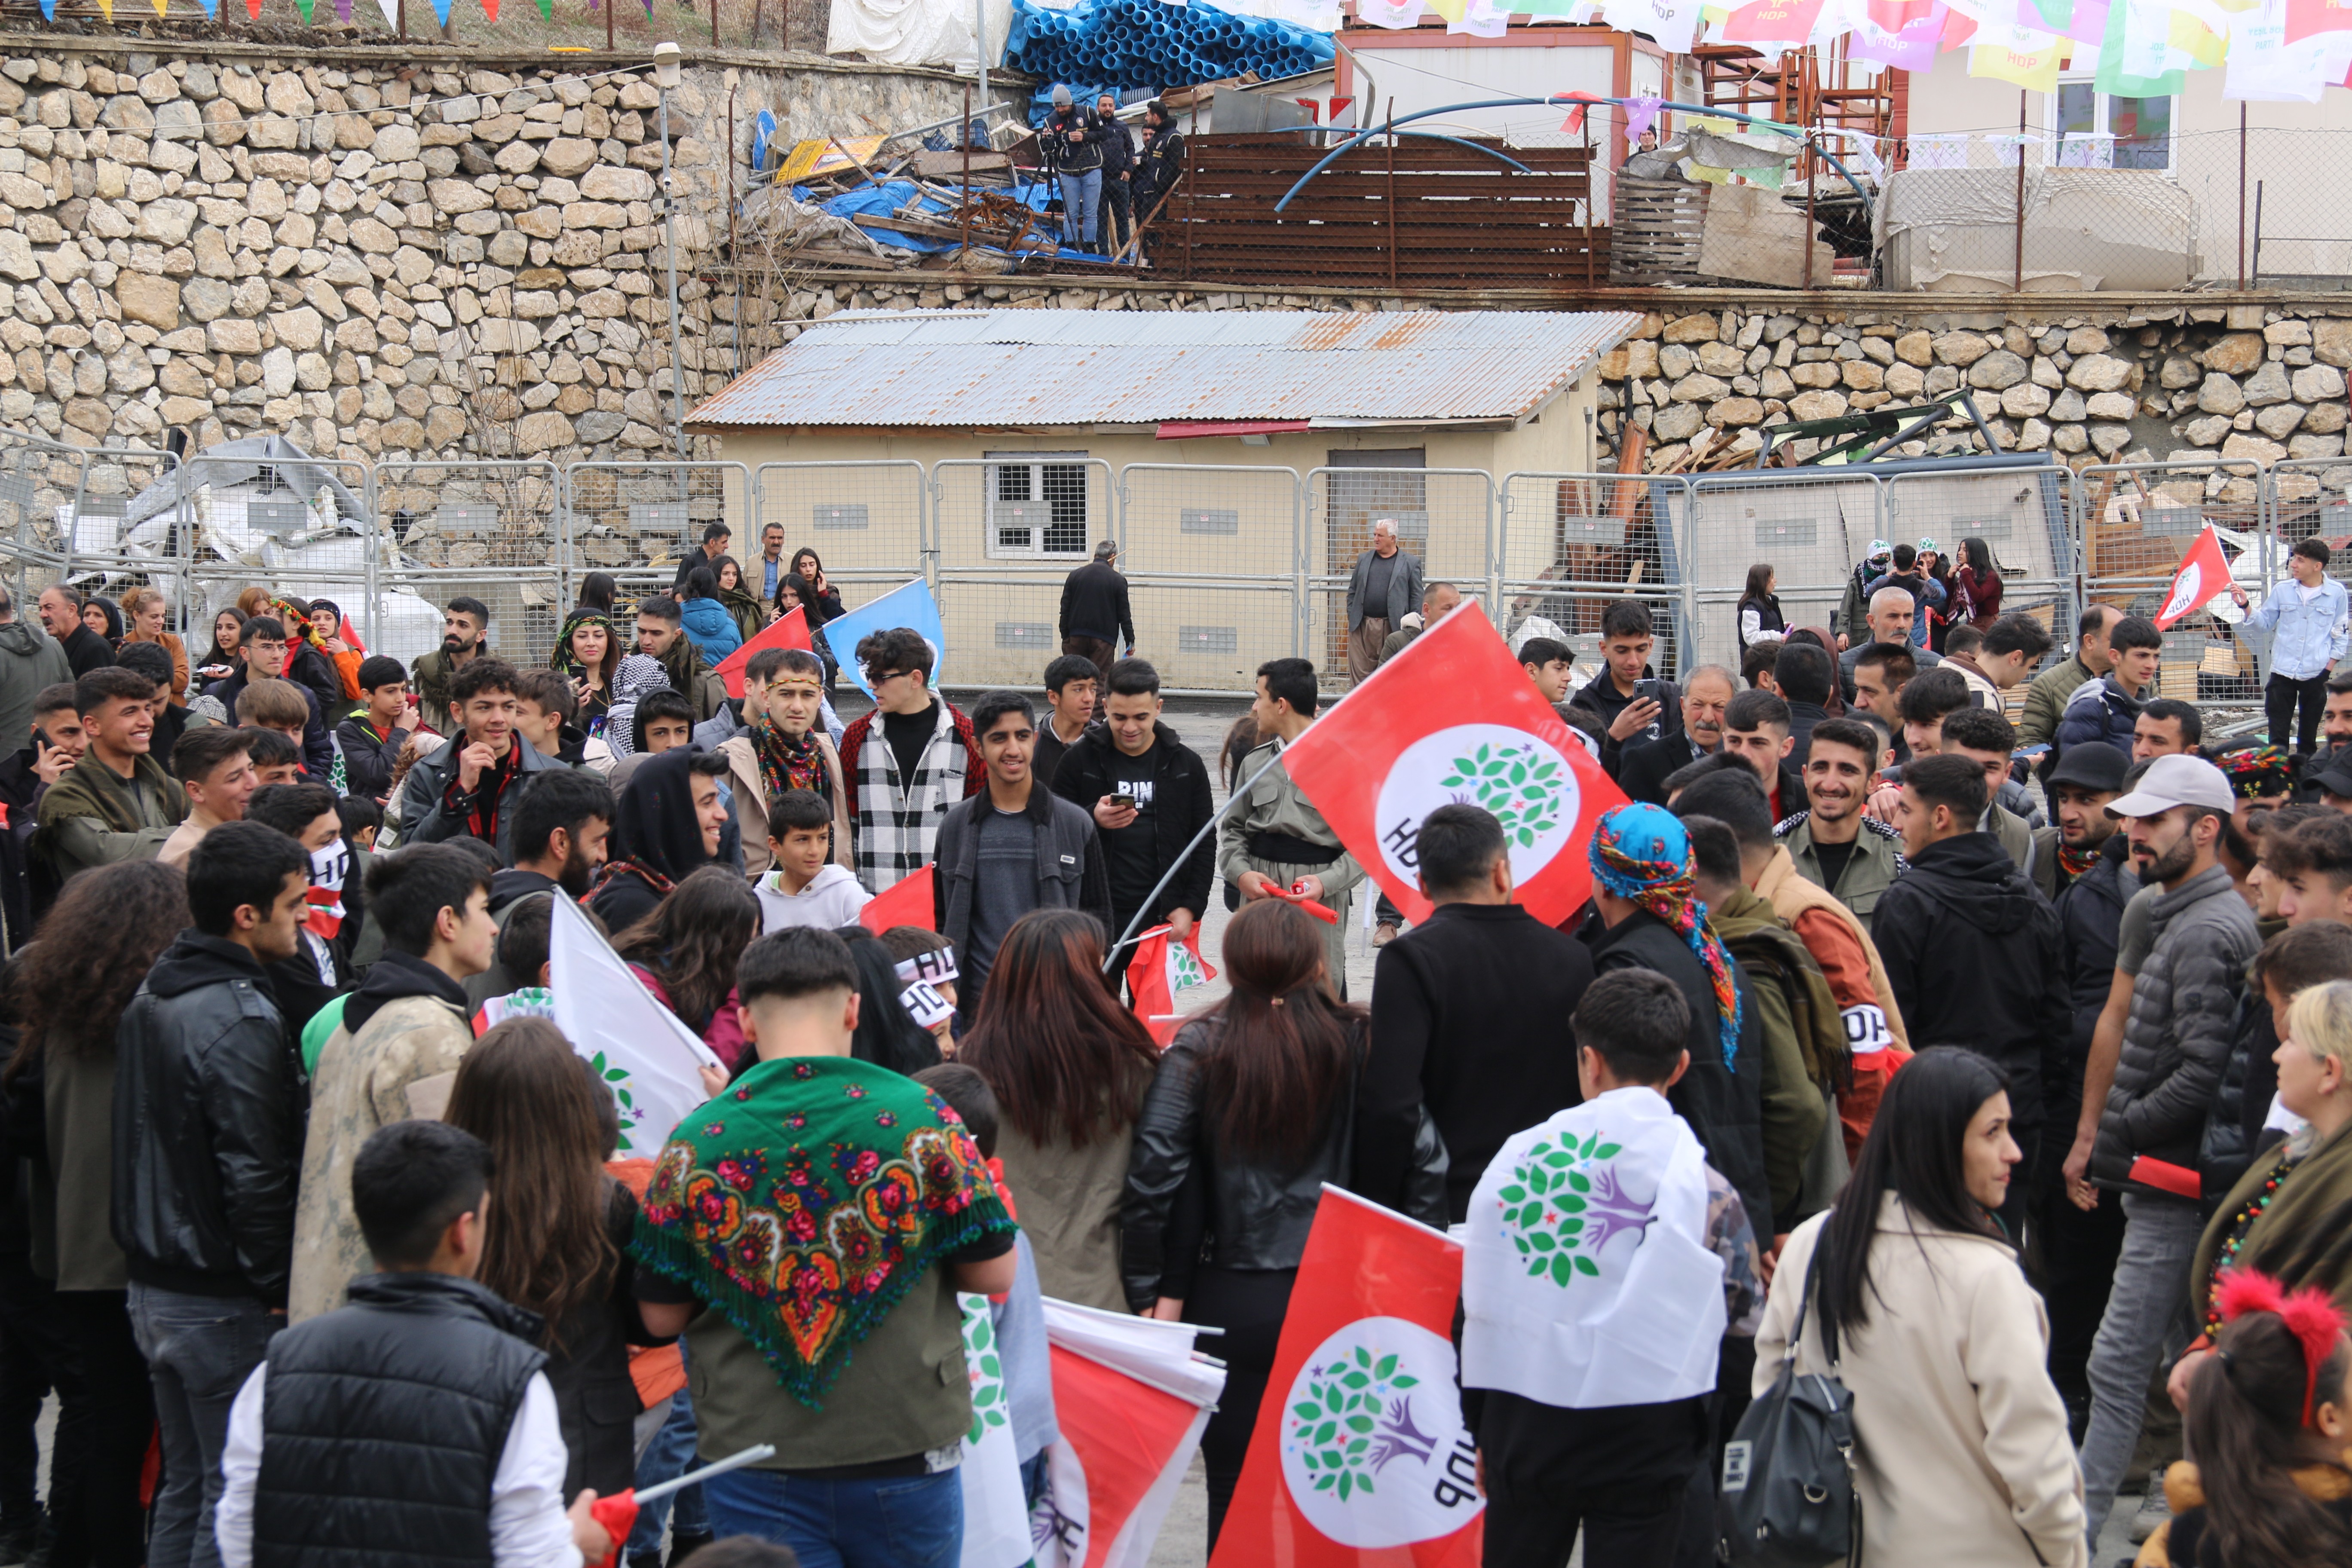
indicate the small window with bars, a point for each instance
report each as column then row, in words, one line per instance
column 1037, row 505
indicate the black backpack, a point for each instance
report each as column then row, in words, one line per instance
column 1787, row 1497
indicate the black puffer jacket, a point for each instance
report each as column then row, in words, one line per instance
column 1725, row 1106
column 2090, row 911
column 2242, row 1101
column 1191, row 1197
column 2184, row 1007
column 208, row 1122
column 1974, row 957
column 382, row 1425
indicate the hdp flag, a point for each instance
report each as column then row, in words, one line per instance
column 1130, row 1396
column 1772, row 21
column 912, row 901
column 995, row 1511
column 1161, row 971
column 1453, row 720
column 2202, row 583
column 787, row 630
column 1360, row 1457
column 909, row 605
column 637, row 1046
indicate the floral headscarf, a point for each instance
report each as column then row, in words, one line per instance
column 2258, row 773
column 1642, row 853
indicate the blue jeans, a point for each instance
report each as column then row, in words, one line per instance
column 902, row 1521
column 669, row 1455
column 1081, row 207
column 199, row 1349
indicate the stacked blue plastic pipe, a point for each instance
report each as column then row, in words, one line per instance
column 1130, row 44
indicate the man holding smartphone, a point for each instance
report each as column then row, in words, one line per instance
column 1148, row 794
column 1630, row 702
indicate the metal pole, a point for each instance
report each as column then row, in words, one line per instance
column 1809, row 213
column 2242, row 196
column 2257, row 278
column 979, row 61
column 963, row 256
column 2021, row 191
column 1391, row 198
column 734, row 256
column 608, row 23
column 670, row 241
column 714, row 23
column 403, row 20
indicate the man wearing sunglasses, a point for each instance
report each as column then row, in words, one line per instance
column 906, row 763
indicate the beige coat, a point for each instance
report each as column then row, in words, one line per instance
column 750, row 789
column 1068, row 1200
column 1961, row 1437
column 360, row 1084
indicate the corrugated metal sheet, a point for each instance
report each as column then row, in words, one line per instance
column 961, row 369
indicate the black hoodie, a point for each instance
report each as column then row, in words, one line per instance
column 398, row 974
column 656, row 830
column 1975, row 957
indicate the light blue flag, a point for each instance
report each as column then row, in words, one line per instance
column 49, row 10
column 441, row 9
column 910, row 605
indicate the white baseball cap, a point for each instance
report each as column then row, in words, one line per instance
column 2175, row 780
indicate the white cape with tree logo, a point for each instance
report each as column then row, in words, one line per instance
column 1586, row 1277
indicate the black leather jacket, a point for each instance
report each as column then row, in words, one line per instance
column 1191, row 1200
column 208, row 1125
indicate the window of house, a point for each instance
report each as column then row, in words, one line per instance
column 2142, row 127
column 1037, row 505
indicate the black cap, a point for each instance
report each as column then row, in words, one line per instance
column 2332, row 770
column 2092, row 765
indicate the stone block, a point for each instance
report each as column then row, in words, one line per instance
column 1697, row 329
column 2288, row 334
column 456, row 196
column 1905, row 380
column 2111, row 405
column 2331, row 341
column 2099, row 373
column 517, row 158
column 543, row 432
column 148, row 296
column 1960, row 349
column 567, row 157
column 2307, row 445
column 1999, row 371
column 1816, row 405
column 2086, row 340
column 1735, row 411
column 2324, row 418
column 2279, row 421
column 233, row 335
column 2025, row 401
column 1721, row 359
column 396, row 143
column 1677, row 421
column 2317, row 382
column 1916, row 349
column 166, row 222
column 2236, row 354
column 2267, row 385
column 2261, row 449
column 2220, row 395
column 1862, row 375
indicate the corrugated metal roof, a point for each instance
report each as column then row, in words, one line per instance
column 961, row 369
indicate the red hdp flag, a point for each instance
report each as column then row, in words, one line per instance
column 2203, row 576
column 1360, row 1457
column 1160, row 971
column 491, row 6
column 348, row 633
column 787, row 630
column 912, row 901
column 1123, row 1450
column 1958, row 28
column 1455, row 720
column 1574, row 124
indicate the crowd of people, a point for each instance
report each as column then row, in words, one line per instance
column 1996, row 1067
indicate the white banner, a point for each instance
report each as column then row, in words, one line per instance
column 637, row 1046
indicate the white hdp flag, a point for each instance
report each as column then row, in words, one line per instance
column 1576, row 1233
column 644, row 1055
column 1131, row 1397
column 995, row 1510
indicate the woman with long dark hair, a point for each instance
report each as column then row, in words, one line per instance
column 1068, row 1066
column 1759, row 610
column 687, row 949
column 72, row 986
column 2267, row 1421
column 714, row 632
column 219, row 661
column 1979, row 586
column 807, row 586
column 887, row 1035
column 742, row 605
column 597, row 592
column 587, row 654
column 559, row 1245
column 1961, row 1449
column 1254, row 1105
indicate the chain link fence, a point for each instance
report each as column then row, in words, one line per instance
column 491, row 530
column 1227, row 566
column 2136, row 521
column 1445, row 517
column 1568, row 545
column 1007, row 529
column 1212, row 561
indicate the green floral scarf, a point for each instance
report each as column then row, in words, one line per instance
column 806, row 1200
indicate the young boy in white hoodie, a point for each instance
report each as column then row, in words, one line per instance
column 1602, row 1264
column 806, row 886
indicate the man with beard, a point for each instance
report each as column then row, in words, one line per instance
column 61, row 611
column 2142, row 1110
column 561, row 828
column 2085, row 865
column 1707, row 692
column 661, row 633
column 2334, row 736
column 1853, row 857
column 463, row 626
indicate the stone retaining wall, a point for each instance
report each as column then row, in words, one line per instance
column 373, row 260
column 2189, row 382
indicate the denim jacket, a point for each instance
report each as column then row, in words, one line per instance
column 2309, row 636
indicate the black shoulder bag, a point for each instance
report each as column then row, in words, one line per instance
column 1787, row 1497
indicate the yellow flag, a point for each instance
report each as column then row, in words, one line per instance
column 2200, row 31
column 1452, row 10
column 2019, row 55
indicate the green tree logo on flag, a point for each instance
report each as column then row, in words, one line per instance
column 1374, row 1451
column 1340, row 1417
column 1513, row 773
column 1564, row 1204
column 987, row 1374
